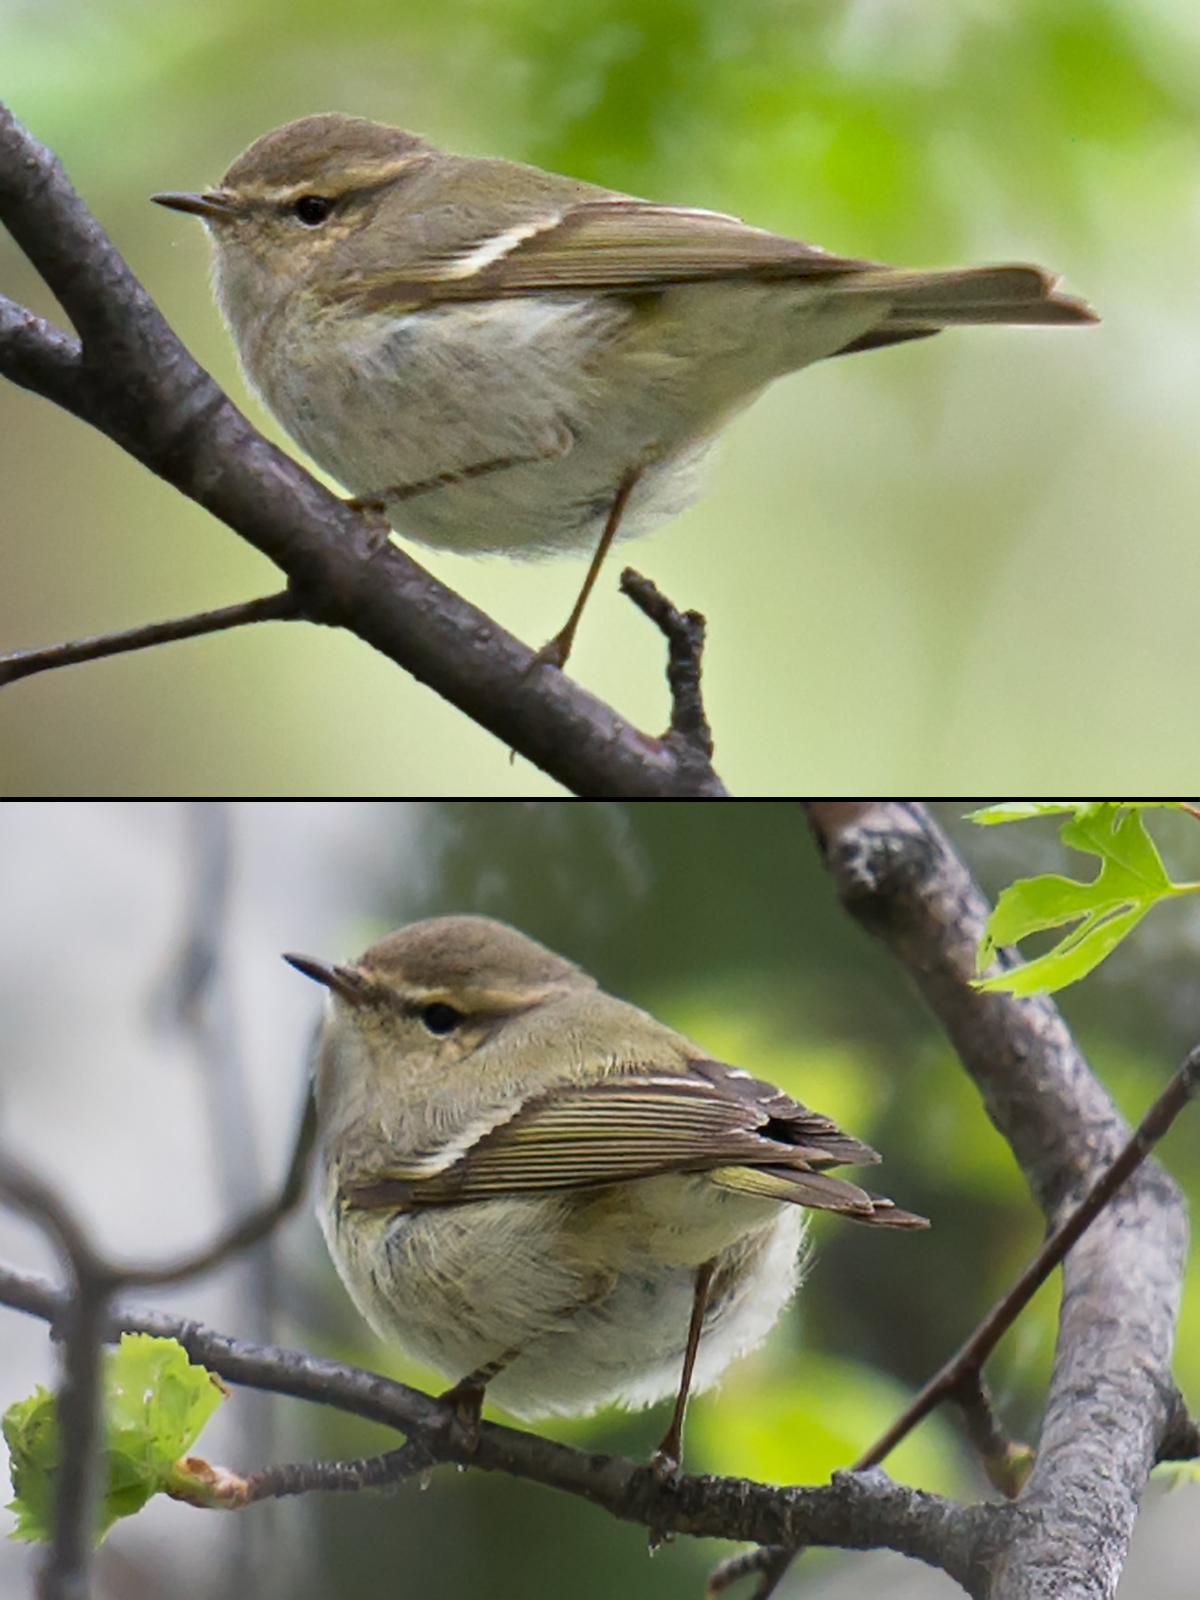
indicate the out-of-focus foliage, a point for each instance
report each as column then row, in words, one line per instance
column 801, row 1420
column 899, row 552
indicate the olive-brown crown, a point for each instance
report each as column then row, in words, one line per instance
column 466, row 953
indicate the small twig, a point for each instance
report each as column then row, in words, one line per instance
column 684, row 633
column 372, row 1472
column 281, row 607
column 761, row 1559
column 1007, row 1463
column 970, row 1357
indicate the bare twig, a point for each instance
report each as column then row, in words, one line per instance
column 966, row 1363
column 372, row 1472
column 684, row 633
column 129, row 376
column 1007, row 1463
column 282, row 607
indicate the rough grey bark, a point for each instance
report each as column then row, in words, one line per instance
column 1111, row 1394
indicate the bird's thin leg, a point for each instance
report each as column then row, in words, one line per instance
column 556, row 651
column 467, row 1395
column 666, row 1457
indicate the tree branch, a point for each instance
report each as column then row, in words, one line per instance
column 967, row 1362
column 1111, row 1398
column 856, row 1511
column 130, row 377
column 280, row 607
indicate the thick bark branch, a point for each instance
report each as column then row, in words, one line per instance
column 1111, row 1396
column 130, row 377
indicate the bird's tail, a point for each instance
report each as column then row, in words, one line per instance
column 930, row 300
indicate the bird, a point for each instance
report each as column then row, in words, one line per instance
column 544, row 1192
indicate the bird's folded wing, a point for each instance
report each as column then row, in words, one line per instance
column 598, row 246
column 634, row 243
column 635, row 1125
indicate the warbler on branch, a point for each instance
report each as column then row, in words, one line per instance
column 502, row 359
column 540, row 1190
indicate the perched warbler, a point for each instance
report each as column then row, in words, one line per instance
column 501, row 359
column 539, row 1189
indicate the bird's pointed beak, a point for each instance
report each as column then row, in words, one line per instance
column 214, row 206
column 346, row 982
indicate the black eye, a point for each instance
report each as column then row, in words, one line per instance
column 441, row 1018
column 312, row 209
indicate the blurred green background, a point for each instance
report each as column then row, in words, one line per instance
column 923, row 567
column 721, row 920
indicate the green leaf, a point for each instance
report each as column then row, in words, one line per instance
column 1022, row 810
column 1131, row 880
column 156, row 1402
column 31, row 1433
column 1071, row 959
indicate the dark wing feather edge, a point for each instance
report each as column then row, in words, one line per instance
column 748, row 1133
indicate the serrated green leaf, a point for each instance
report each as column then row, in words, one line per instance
column 1132, row 879
column 31, row 1433
column 1118, row 836
column 1070, row 960
column 156, row 1403
column 1022, row 810
column 1031, row 904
